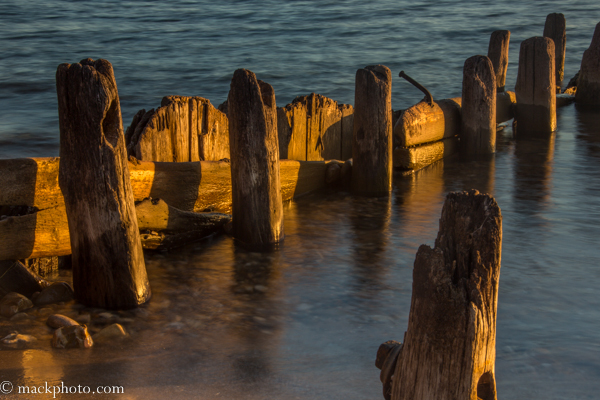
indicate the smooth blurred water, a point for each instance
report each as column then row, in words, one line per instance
column 305, row 322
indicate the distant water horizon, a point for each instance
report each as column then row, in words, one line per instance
column 192, row 48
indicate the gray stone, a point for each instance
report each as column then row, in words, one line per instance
column 13, row 303
column 55, row 293
column 58, row 321
column 110, row 334
column 74, row 336
column 16, row 340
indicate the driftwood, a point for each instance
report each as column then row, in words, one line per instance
column 257, row 208
column 535, row 111
column 588, row 83
column 449, row 348
column 108, row 263
column 372, row 137
column 498, row 55
column 315, row 128
column 16, row 277
column 191, row 186
column 478, row 133
column 166, row 227
column 555, row 28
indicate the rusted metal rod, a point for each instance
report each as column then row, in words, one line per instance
column 418, row 86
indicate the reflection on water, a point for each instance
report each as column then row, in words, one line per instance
column 305, row 321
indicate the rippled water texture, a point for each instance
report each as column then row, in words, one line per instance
column 305, row 322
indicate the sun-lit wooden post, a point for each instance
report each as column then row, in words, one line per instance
column 556, row 29
column 257, row 208
column 536, row 89
column 588, row 84
column 498, row 54
column 478, row 122
column 108, row 263
column 372, row 136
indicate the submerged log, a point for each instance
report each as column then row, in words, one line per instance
column 478, row 133
column 555, row 28
column 372, row 137
column 498, row 55
column 449, row 348
column 417, row 157
column 181, row 129
column 257, row 208
column 588, row 83
column 535, row 111
column 108, row 263
column 166, row 227
column 191, row 186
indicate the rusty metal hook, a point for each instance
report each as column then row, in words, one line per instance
column 418, row 86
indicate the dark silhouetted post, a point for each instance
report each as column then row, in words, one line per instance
column 257, row 209
column 449, row 350
column 556, row 29
column 535, row 89
column 588, row 84
column 498, row 54
column 372, row 137
column 108, row 263
column 478, row 133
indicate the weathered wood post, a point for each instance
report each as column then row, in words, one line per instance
column 556, row 29
column 257, row 209
column 498, row 54
column 372, row 136
column 478, row 130
column 588, row 84
column 449, row 350
column 108, row 263
column 535, row 89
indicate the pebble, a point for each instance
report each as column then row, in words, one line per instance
column 58, row 321
column 55, row 293
column 84, row 318
column 16, row 340
column 73, row 336
column 20, row 317
column 110, row 334
column 14, row 303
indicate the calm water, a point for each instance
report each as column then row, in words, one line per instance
column 305, row 322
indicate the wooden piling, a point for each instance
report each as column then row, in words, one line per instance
column 372, row 132
column 588, row 84
column 449, row 348
column 478, row 133
column 498, row 54
column 257, row 209
column 535, row 111
column 108, row 263
column 556, row 29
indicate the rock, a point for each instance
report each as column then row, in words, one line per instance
column 58, row 321
column 16, row 277
column 20, row 317
column 16, row 340
column 55, row 293
column 13, row 303
column 109, row 334
column 73, row 336
column 84, row 318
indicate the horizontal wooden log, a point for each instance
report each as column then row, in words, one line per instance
column 189, row 186
column 417, row 157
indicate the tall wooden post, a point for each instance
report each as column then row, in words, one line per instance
column 556, row 29
column 588, row 84
column 449, row 350
column 372, row 136
column 478, row 133
column 535, row 89
column 498, row 54
column 108, row 263
column 257, row 209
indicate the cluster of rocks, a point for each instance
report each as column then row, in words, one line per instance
column 27, row 297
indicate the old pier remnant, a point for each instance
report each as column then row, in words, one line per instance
column 478, row 134
column 588, row 84
column 535, row 89
column 372, row 132
column 556, row 29
column 498, row 54
column 257, row 208
column 108, row 263
column 449, row 349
